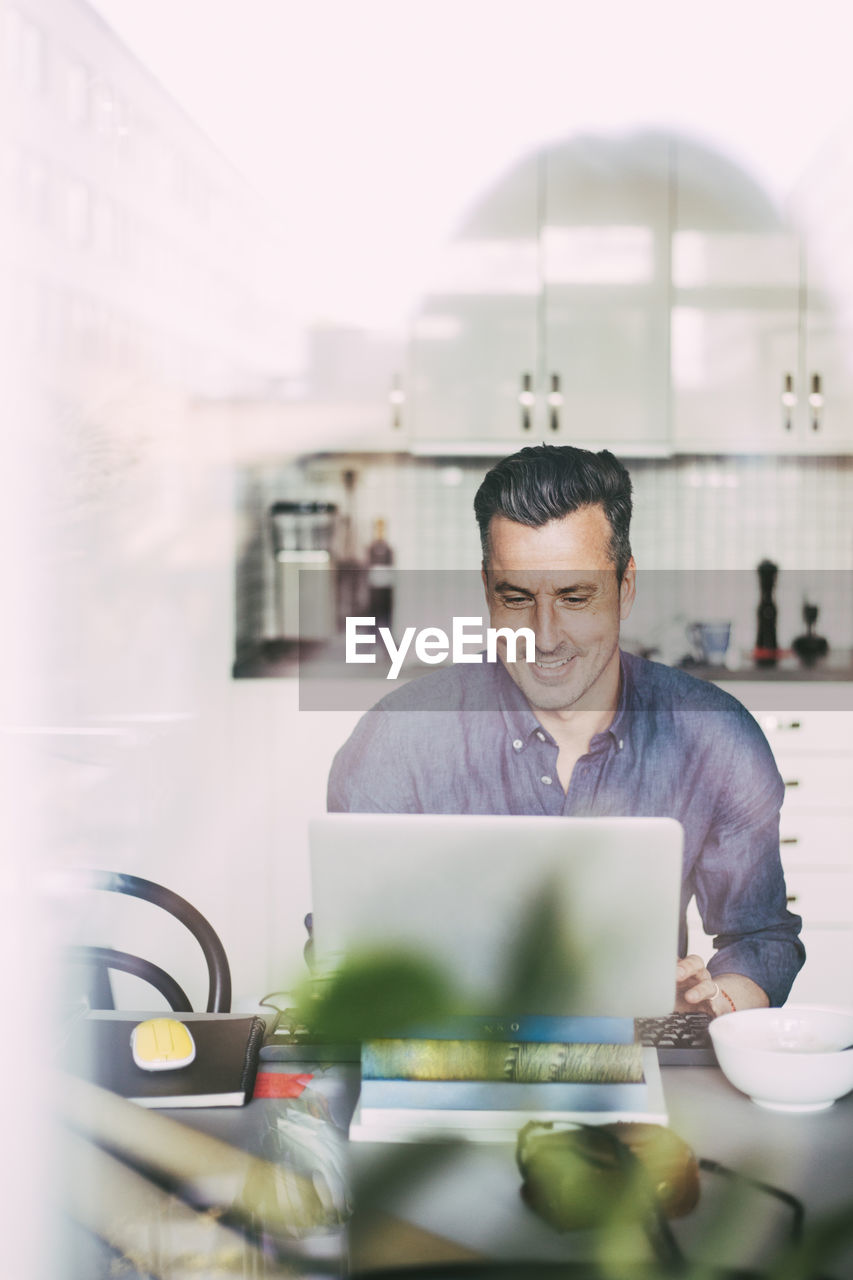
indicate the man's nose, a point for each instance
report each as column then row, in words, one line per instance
column 547, row 629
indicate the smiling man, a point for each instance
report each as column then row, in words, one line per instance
column 585, row 729
column 558, row 579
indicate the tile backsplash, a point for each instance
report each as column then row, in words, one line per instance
column 691, row 514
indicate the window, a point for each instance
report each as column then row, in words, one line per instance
column 10, row 166
column 13, row 36
column 123, row 128
column 33, row 61
column 103, row 228
column 123, row 236
column 82, row 325
column 35, row 190
column 103, row 103
column 77, row 94
column 78, row 213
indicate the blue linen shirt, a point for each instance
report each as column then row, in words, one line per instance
column 465, row 740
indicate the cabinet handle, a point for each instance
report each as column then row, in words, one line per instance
column 790, row 840
column 789, row 401
column 555, row 401
column 793, row 782
column 791, row 897
column 527, row 400
column 396, row 396
column 771, row 724
column 816, row 401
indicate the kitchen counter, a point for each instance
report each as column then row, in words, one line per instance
column 789, row 686
column 836, row 666
column 325, row 660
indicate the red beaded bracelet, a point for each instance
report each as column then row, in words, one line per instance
column 726, row 996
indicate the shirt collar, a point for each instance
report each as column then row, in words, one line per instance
column 517, row 712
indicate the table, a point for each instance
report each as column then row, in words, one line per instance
column 213, row 1191
column 466, row 1204
column 473, row 1200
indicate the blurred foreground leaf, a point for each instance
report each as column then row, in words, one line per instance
column 542, row 966
column 375, row 995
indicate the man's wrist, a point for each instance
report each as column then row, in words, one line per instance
column 721, row 1002
column 735, row 991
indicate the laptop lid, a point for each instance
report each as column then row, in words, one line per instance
column 592, row 903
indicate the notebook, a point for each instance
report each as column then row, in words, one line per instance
column 222, row 1074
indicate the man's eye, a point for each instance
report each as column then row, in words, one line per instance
column 575, row 600
column 515, row 602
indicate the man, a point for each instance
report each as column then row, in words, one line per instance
column 586, row 729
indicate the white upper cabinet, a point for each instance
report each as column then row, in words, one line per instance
column 826, row 419
column 757, row 356
column 549, row 319
column 475, row 350
column 605, row 282
column 640, row 292
column 735, row 310
column 821, row 202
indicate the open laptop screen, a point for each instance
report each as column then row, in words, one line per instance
column 592, row 902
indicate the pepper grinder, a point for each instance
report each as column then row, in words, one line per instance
column 810, row 647
column 766, row 644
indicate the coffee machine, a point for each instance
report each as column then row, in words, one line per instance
column 303, row 544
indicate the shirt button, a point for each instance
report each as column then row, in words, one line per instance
column 547, row 779
column 517, row 744
column 540, row 735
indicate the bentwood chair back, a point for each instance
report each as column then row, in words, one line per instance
column 99, row 961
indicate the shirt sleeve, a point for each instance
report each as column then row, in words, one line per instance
column 739, row 881
column 369, row 773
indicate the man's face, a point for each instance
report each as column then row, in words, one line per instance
column 560, row 581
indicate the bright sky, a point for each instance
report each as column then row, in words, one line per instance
column 372, row 123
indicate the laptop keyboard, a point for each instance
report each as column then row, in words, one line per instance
column 681, row 1039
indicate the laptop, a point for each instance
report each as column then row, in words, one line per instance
column 586, row 908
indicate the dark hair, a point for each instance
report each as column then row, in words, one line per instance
column 546, row 482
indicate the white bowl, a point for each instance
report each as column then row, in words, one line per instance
column 788, row 1059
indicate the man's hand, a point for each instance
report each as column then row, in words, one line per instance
column 697, row 990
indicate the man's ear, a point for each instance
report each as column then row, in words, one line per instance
column 628, row 589
column 485, row 579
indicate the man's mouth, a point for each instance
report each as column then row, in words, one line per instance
column 552, row 664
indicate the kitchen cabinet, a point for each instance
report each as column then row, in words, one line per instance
column 353, row 394
column 473, row 369
column 814, row 752
column 605, row 281
column 642, row 293
column 820, row 201
column 549, row 317
column 475, row 345
column 759, row 361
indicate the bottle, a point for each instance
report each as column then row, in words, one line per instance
column 351, row 569
column 380, row 577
